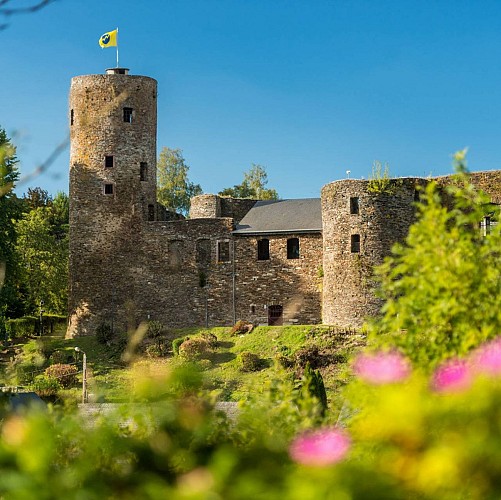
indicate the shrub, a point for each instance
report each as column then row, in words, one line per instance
column 58, row 357
column 21, row 327
column 104, row 333
column 211, row 339
column 307, row 354
column 156, row 350
column 284, row 361
column 26, row 372
column 176, row 343
column 45, row 386
column 313, row 385
column 64, row 374
column 249, row 362
column 241, row 327
column 205, row 364
column 194, row 349
column 155, row 330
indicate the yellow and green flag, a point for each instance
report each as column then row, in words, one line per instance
column 109, row 39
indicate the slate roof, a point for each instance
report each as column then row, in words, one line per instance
column 282, row 216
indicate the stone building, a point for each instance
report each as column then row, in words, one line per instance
column 301, row 261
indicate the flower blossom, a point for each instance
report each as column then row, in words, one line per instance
column 452, row 376
column 320, row 448
column 382, row 367
column 487, row 358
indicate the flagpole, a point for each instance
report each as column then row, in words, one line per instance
column 117, row 47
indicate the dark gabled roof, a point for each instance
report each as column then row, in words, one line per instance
column 282, row 216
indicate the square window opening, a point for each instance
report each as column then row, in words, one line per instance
column 128, row 115
column 223, row 251
column 108, row 189
column 108, row 161
column 354, row 205
column 263, row 249
column 293, row 248
column 355, row 243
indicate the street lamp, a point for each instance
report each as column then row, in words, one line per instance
column 41, row 317
column 84, row 376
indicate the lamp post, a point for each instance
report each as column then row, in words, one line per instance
column 41, row 317
column 84, row 376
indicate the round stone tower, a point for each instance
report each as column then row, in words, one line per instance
column 113, row 123
column 361, row 222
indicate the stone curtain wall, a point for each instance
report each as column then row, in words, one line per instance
column 105, row 230
column 236, row 208
column 206, row 206
column 293, row 283
column 384, row 218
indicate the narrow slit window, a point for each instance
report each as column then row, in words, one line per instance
column 263, row 249
column 293, row 248
column 108, row 189
column 72, row 117
column 151, row 212
column 128, row 115
column 108, row 161
column 354, row 206
column 355, row 243
column 143, row 171
column 223, row 251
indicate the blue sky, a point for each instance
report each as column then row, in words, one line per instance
column 309, row 89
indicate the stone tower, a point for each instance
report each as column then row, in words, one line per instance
column 113, row 122
column 360, row 226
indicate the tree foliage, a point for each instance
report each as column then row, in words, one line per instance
column 442, row 286
column 174, row 188
column 252, row 186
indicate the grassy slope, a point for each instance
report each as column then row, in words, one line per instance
column 110, row 381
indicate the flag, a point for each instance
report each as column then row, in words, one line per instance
column 109, row 39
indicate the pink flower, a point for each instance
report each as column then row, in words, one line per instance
column 487, row 358
column 452, row 376
column 320, row 448
column 382, row 367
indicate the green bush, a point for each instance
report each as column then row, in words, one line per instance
column 308, row 355
column 104, row 333
column 156, row 350
column 58, row 357
column 26, row 372
column 194, row 349
column 249, row 362
column 45, row 386
column 176, row 343
column 22, row 327
column 312, row 384
column 64, row 374
column 210, row 338
column 241, row 327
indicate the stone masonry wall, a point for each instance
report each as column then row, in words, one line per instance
column 294, row 284
column 383, row 219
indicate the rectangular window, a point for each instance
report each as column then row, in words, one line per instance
column 108, row 161
column 72, row 117
column 151, row 212
column 223, row 251
column 355, row 243
column 293, row 248
column 263, row 249
column 128, row 115
column 108, row 189
column 354, row 206
column 143, row 171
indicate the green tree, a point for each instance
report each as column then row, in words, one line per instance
column 42, row 248
column 10, row 210
column 253, row 186
column 442, row 286
column 174, row 188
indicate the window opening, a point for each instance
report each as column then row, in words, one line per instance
column 293, row 248
column 354, row 206
column 108, row 161
column 72, row 117
column 108, row 189
column 128, row 115
column 203, row 252
column 223, row 251
column 263, row 249
column 175, row 254
column 253, row 309
column 151, row 212
column 275, row 315
column 355, row 243
column 143, row 170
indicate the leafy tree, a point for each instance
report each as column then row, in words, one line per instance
column 10, row 209
column 442, row 286
column 174, row 188
column 253, row 186
column 42, row 247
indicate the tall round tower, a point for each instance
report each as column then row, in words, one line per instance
column 113, row 123
column 360, row 225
